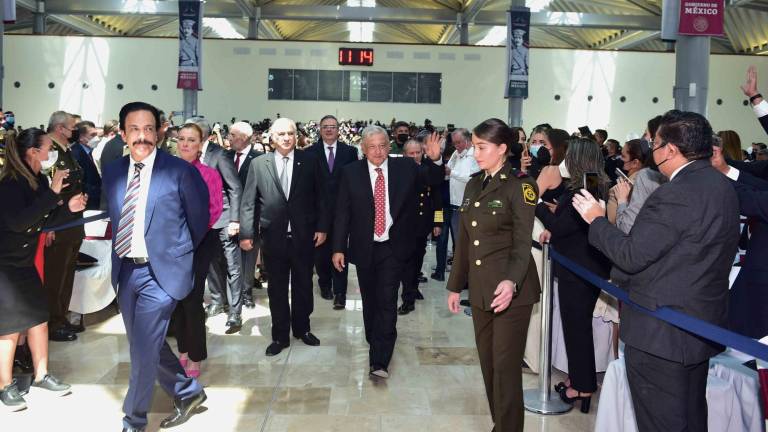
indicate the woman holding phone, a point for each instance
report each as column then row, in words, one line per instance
column 631, row 190
column 577, row 298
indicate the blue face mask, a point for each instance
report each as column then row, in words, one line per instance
column 534, row 150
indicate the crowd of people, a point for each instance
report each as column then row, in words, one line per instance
column 235, row 206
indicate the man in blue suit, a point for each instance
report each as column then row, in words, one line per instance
column 159, row 207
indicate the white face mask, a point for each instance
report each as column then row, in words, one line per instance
column 93, row 142
column 563, row 170
column 53, row 156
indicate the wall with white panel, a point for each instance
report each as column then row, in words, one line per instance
column 85, row 73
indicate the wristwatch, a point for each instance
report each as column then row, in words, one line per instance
column 752, row 99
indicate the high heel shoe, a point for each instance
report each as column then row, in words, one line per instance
column 559, row 386
column 585, row 400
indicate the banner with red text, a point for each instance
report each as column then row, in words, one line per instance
column 702, row 17
column 190, row 45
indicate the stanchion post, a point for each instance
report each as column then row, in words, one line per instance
column 543, row 400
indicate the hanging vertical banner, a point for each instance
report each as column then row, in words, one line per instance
column 9, row 11
column 518, row 42
column 702, row 18
column 190, row 45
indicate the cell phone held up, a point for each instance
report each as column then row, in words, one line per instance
column 592, row 184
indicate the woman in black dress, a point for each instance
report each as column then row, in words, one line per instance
column 26, row 202
column 569, row 236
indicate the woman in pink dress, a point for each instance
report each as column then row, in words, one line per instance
column 189, row 316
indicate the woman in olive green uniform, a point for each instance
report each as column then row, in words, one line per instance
column 493, row 255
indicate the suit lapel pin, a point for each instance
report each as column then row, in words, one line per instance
column 503, row 176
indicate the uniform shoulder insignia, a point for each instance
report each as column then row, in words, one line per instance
column 529, row 194
column 475, row 174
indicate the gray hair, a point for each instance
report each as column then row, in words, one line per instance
column 203, row 123
column 464, row 134
column 412, row 141
column 283, row 121
column 58, row 118
column 242, row 127
column 372, row 130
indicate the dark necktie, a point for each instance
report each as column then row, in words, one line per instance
column 237, row 160
column 486, row 181
column 122, row 242
column 331, row 159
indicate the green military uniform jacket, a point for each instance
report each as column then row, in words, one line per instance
column 494, row 238
column 394, row 148
column 74, row 181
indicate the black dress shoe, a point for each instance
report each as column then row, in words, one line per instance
column 11, row 398
column 419, row 295
column 212, row 310
column 379, row 372
column 22, row 359
column 275, row 348
column 74, row 328
column 405, row 309
column 438, row 277
column 257, row 284
column 234, row 320
column 422, row 279
column 62, row 335
column 326, row 294
column 183, row 410
column 339, row 302
column 309, row 339
column 52, row 384
column 249, row 304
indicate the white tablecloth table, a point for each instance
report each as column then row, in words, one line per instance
column 732, row 398
column 92, row 289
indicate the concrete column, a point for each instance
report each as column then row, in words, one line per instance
column 253, row 28
column 515, row 104
column 692, row 73
column 38, row 25
column 190, row 103
column 463, row 32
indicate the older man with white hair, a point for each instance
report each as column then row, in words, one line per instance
column 376, row 212
column 285, row 208
column 243, row 153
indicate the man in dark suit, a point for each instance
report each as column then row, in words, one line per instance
column 334, row 156
column 376, row 212
column 429, row 220
column 678, row 255
column 81, row 150
column 284, row 207
column 159, row 206
column 113, row 150
column 224, row 276
column 243, row 154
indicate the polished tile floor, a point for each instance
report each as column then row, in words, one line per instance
column 435, row 382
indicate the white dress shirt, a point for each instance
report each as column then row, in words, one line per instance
column 279, row 165
column 761, row 109
column 672, row 177
column 733, row 173
column 243, row 153
column 462, row 165
column 203, row 150
column 372, row 172
column 138, row 243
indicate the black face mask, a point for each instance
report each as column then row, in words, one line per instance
column 516, row 151
column 402, row 138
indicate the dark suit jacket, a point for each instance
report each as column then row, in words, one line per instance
column 758, row 169
column 265, row 212
column 748, row 313
column 764, row 122
column 345, row 154
column 113, row 150
column 354, row 217
column 679, row 255
column 245, row 165
column 219, row 159
column 430, row 195
column 175, row 221
column 91, row 177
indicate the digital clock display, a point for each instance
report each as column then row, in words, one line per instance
column 356, row 56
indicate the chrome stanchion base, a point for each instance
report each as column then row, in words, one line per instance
column 555, row 405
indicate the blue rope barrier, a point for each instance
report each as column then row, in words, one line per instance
column 78, row 222
column 688, row 323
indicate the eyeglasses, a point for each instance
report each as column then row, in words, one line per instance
column 329, row 127
column 654, row 147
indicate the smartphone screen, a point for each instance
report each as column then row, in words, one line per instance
column 591, row 183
